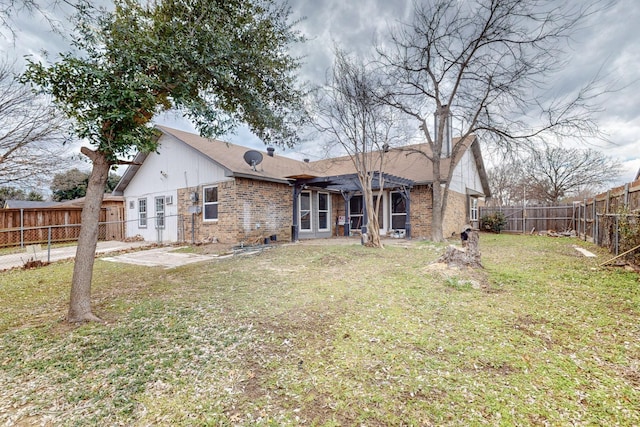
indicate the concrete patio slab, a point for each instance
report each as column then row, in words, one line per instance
column 166, row 257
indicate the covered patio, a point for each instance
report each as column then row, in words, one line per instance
column 349, row 185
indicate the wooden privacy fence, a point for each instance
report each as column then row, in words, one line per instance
column 535, row 218
column 19, row 227
column 610, row 219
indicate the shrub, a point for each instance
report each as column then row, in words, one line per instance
column 494, row 222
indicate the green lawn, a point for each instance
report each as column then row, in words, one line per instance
column 328, row 336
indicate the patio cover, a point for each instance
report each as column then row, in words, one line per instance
column 350, row 182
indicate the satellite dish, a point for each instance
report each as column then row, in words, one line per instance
column 253, row 158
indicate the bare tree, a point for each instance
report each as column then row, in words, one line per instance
column 350, row 111
column 556, row 173
column 552, row 175
column 506, row 182
column 31, row 134
column 484, row 63
column 47, row 9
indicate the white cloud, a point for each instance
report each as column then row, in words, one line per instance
column 608, row 43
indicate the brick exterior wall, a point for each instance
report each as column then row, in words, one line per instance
column 421, row 211
column 456, row 216
column 248, row 211
column 264, row 209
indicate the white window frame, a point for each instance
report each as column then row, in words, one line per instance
column 205, row 203
column 159, row 212
column 302, row 212
column 473, row 209
column 327, row 211
column 142, row 213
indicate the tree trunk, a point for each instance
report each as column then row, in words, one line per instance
column 373, row 238
column 80, row 301
column 373, row 228
column 437, row 234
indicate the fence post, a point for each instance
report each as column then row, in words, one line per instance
column 21, row 228
column 595, row 223
column 585, row 219
column 617, row 236
column 49, row 246
column 626, row 195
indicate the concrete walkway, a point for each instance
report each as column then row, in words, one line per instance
column 35, row 252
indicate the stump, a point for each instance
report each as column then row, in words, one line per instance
column 468, row 256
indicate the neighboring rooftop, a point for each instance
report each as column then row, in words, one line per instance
column 79, row 202
column 28, row 204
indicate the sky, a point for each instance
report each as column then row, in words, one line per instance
column 607, row 44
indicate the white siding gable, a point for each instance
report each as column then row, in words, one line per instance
column 465, row 175
column 175, row 166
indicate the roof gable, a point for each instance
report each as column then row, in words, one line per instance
column 231, row 157
column 409, row 162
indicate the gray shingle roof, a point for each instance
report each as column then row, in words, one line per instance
column 405, row 162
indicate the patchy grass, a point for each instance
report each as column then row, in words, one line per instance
column 328, row 336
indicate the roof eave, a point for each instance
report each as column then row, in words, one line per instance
column 259, row 177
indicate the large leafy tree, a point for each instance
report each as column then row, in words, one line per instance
column 72, row 184
column 12, row 193
column 69, row 185
column 488, row 64
column 220, row 62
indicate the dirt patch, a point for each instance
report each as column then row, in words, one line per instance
column 500, row 368
column 213, row 248
column 534, row 328
column 223, row 248
column 476, row 278
column 633, row 375
column 34, row 263
column 331, row 260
